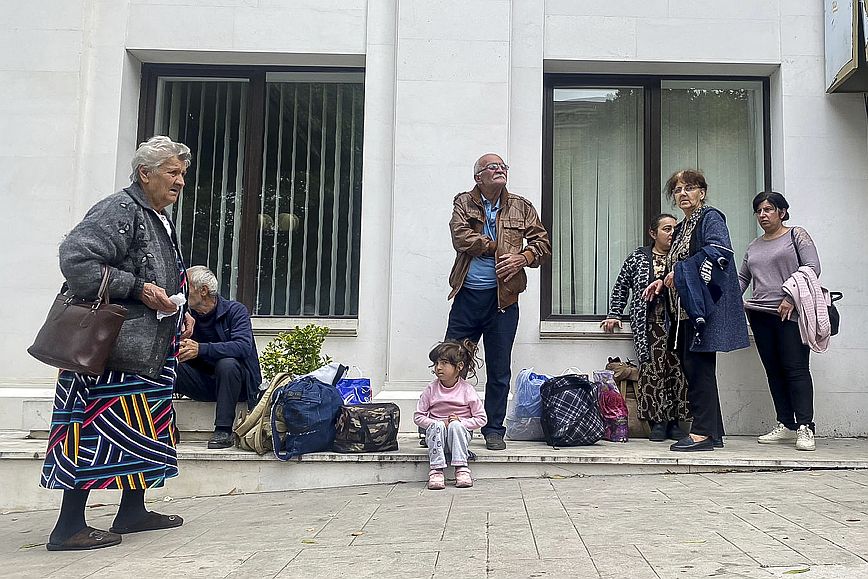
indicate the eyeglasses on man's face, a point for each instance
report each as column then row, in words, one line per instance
column 494, row 167
column 685, row 189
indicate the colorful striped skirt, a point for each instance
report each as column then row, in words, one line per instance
column 114, row 431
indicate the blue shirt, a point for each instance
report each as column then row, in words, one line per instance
column 481, row 275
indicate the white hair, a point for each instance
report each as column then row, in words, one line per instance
column 155, row 151
column 200, row 276
column 478, row 166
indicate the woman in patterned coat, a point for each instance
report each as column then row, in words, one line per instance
column 661, row 396
column 116, row 431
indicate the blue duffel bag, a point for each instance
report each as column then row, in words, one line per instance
column 303, row 417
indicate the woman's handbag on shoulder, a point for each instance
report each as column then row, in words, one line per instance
column 78, row 334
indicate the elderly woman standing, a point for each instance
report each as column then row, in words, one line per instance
column 705, row 303
column 116, row 431
column 769, row 261
column 661, row 395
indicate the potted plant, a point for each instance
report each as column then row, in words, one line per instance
column 297, row 351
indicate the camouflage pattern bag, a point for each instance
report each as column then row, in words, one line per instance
column 370, row 427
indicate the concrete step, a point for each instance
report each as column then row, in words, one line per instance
column 231, row 471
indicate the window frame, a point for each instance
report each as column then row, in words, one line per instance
column 253, row 148
column 652, row 146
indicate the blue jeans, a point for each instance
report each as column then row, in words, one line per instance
column 475, row 314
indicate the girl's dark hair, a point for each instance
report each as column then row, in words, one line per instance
column 775, row 199
column 655, row 221
column 453, row 351
column 689, row 177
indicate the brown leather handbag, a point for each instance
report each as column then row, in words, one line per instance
column 79, row 335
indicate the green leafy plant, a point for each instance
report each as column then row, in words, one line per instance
column 296, row 351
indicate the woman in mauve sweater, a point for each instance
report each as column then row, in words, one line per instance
column 769, row 261
column 449, row 409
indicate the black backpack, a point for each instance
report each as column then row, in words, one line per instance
column 570, row 412
column 369, row 427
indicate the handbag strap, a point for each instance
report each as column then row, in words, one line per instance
column 103, row 294
column 795, row 245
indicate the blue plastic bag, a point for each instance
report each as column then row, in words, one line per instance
column 527, row 398
column 354, row 390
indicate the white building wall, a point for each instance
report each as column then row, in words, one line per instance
column 445, row 82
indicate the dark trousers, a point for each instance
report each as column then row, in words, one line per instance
column 787, row 363
column 700, row 369
column 475, row 314
column 222, row 383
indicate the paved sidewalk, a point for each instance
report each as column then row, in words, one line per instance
column 627, row 527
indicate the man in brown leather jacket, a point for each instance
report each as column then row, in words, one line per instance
column 496, row 235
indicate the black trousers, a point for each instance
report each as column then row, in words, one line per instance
column 222, row 383
column 703, row 398
column 787, row 363
column 475, row 314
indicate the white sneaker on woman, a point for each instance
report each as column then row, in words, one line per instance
column 805, row 438
column 779, row 433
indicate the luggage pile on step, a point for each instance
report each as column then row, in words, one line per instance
column 319, row 412
column 570, row 409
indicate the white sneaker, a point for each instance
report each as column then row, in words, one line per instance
column 805, row 438
column 779, row 433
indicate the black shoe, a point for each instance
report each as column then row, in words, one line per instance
column 673, row 431
column 221, row 439
column 687, row 444
column 658, row 432
column 718, row 442
column 494, row 442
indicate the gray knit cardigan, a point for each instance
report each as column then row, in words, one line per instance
column 125, row 233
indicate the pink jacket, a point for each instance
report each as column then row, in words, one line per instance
column 812, row 302
column 437, row 403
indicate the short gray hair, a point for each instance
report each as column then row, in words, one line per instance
column 200, row 276
column 155, row 151
column 478, row 166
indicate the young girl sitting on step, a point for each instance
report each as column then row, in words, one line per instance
column 449, row 409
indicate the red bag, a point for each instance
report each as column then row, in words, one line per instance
column 613, row 407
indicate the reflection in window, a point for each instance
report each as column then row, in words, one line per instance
column 310, row 203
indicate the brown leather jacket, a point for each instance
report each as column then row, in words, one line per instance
column 517, row 221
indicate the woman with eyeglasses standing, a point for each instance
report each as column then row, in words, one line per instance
column 704, row 302
column 769, row 261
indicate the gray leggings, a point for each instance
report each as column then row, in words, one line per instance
column 455, row 440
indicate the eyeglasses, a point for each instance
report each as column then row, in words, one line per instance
column 766, row 210
column 494, row 167
column 685, row 189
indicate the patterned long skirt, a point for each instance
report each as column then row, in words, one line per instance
column 662, row 389
column 114, row 431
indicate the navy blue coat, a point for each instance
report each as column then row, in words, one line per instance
column 232, row 324
column 725, row 322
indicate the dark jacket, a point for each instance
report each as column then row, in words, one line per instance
column 725, row 323
column 517, row 221
column 232, row 323
column 125, row 233
column 635, row 275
